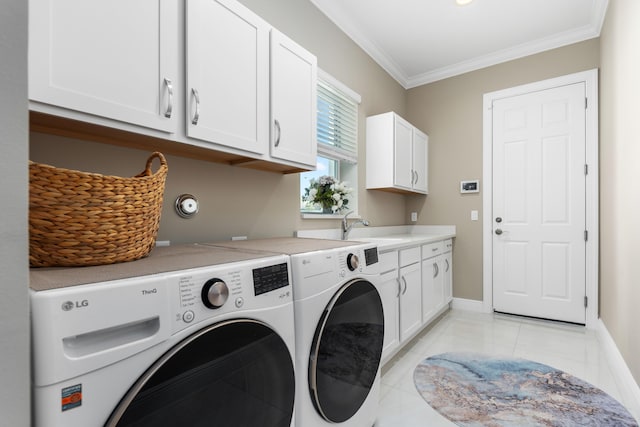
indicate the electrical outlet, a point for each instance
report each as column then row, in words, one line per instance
column 474, row 215
column 414, row 216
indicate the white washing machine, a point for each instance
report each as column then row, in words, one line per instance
column 339, row 329
column 212, row 344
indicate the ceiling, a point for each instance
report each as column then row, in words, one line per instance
column 422, row 41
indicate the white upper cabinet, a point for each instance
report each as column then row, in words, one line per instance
column 227, row 75
column 403, row 175
column 209, row 76
column 420, row 160
column 115, row 59
column 294, row 75
column 397, row 155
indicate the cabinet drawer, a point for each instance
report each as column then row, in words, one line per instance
column 432, row 249
column 388, row 261
column 409, row 256
column 448, row 245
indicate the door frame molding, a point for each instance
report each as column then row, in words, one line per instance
column 590, row 78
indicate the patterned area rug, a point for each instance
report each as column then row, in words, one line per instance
column 478, row 390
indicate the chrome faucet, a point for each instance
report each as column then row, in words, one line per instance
column 347, row 228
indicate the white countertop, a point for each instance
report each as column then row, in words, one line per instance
column 388, row 238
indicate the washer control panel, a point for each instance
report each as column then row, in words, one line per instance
column 203, row 293
column 270, row 278
column 358, row 260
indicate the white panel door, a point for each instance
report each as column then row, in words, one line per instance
column 432, row 287
column 420, row 160
column 410, row 300
column 227, row 59
column 447, row 276
column 539, row 204
column 115, row 59
column 402, row 167
column 294, row 76
column 389, row 292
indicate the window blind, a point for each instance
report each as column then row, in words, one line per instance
column 337, row 122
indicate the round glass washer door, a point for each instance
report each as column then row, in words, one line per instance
column 230, row 374
column 346, row 351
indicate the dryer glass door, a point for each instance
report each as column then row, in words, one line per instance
column 234, row 373
column 346, row 350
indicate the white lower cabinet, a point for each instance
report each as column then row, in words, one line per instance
column 437, row 277
column 410, row 293
column 447, row 273
column 432, row 281
column 389, row 292
column 415, row 288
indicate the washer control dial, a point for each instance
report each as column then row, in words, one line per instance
column 215, row 293
column 352, row 262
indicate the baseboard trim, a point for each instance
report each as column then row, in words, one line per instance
column 629, row 388
column 468, row 305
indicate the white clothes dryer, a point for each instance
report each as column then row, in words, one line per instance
column 211, row 344
column 339, row 328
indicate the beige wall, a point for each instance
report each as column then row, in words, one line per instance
column 450, row 111
column 619, row 196
column 236, row 201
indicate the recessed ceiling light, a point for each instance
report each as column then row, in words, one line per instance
column 463, row 2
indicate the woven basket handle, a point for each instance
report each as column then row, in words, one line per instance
column 155, row 155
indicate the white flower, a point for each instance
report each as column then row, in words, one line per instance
column 326, row 191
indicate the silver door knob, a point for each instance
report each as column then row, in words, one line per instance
column 498, row 231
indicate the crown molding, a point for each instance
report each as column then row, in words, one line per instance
column 383, row 59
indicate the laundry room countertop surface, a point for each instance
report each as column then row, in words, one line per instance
column 388, row 238
column 160, row 260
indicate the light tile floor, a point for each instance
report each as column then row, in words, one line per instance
column 570, row 348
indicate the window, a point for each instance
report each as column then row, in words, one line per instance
column 337, row 135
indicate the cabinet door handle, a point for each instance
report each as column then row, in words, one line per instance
column 446, row 270
column 196, row 116
column 436, row 270
column 276, row 123
column 405, row 285
column 167, row 112
column 399, row 288
column 417, row 176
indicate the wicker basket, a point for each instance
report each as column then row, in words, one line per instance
column 80, row 219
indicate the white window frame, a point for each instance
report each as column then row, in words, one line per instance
column 345, row 162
